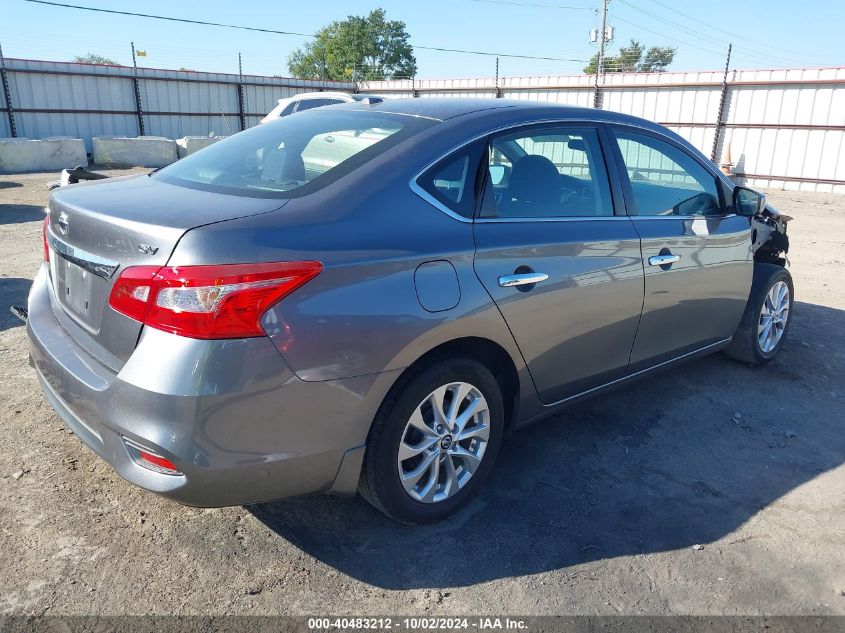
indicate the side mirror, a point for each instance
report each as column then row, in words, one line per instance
column 747, row 202
column 499, row 174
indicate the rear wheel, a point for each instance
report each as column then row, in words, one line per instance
column 765, row 323
column 433, row 441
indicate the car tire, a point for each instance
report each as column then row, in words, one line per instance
column 766, row 304
column 397, row 428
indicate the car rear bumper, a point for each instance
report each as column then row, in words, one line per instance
column 231, row 415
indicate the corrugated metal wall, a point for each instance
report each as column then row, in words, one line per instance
column 784, row 128
column 84, row 100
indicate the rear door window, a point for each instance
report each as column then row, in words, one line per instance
column 547, row 172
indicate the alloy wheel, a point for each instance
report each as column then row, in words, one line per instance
column 444, row 442
column 774, row 316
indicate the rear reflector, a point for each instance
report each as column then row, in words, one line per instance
column 207, row 302
column 44, row 226
column 150, row 460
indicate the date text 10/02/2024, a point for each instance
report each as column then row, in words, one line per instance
column 386, row 623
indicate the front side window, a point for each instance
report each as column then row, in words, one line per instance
column 547, row 172
column 293, row 155
column 666, row 180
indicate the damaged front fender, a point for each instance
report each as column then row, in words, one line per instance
column 769, row 240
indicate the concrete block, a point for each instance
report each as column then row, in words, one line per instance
column 144, row 151
column 190, row 144
column 23, row 154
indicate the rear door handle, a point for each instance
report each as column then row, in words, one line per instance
column 521, row 279
column 663, row 260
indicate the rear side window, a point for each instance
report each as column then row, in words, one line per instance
column 288, row 108
column 451, row 181
column 307, row 104
column 292, row 156
column 666, row 180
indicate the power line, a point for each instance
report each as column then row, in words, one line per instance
column 748, row 51
column 767, row 55
column 669, row 37
column 170, row 19
column 684, row 42
column 293, row 33
column 745, row 38
column 490, row 54
column 534, row 5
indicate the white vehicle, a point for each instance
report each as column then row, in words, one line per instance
column 308, row 100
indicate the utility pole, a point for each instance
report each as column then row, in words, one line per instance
column 602, row 38
column 602, row 41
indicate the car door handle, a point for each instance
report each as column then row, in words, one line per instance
column 521, row 279
column 663, row 260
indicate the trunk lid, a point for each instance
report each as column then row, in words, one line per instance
column 98, row 229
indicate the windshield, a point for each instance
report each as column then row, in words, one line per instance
column 291, row 156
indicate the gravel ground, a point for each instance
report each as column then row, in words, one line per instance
column 713, row 489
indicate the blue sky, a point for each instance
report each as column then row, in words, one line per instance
column 806, row 34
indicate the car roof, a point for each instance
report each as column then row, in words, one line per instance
column 329, row 94
column 326, row 94
column 438, row 108
column 444, row 109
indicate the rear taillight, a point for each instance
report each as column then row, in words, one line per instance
column 44, row 226
column 207, row 302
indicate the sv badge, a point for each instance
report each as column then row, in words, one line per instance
column 146, row 249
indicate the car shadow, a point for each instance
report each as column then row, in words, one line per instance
column 13, row 292
column 20, row 213
column 10, row 184
column 678, row 459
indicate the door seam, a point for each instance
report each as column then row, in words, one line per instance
column 499, row 310
column 642, row 305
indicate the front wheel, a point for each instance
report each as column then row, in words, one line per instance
column 433, row 441
column 765, row 322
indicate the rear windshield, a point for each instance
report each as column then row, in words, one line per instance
column 294, row 155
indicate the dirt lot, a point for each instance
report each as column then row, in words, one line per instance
column 595, row 511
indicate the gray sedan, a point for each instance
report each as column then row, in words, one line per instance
column 368, row 297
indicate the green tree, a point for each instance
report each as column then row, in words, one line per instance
column 360, row 47
column 93, row 58
column 634, row 59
